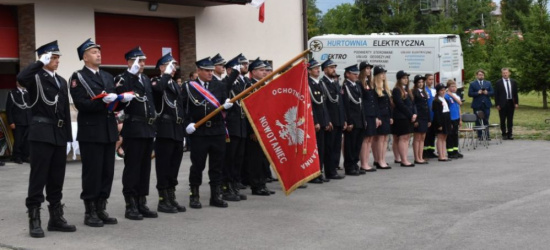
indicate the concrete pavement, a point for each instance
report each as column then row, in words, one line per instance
column 496, row 198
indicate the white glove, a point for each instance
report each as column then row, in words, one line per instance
column 169, row 69
column 45, row 58
column 237, row 68
column 228, row 104
column 109, row 98
column 190, row 128
column 127, row 97
column 135, row 67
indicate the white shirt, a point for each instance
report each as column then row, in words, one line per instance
column 218, row 77
column 507, row 87
column 352, row 83
column 444, row 102
column 330, row 80
column 316, row 81
column 93, row 71
column 52, row 74
column 433, row 91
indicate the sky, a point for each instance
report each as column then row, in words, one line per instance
column 325, row 5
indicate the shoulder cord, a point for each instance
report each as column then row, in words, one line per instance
column 85, row 85
column 40, row 95
column 313, row 98
column 20, row 106
column 351, row 98
column 195, row 101
column 333, row 100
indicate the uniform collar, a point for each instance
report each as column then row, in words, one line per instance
column 316, row 80
column 52, row 74
column 93, row 71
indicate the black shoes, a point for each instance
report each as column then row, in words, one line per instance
column 336, row 177
column 194, row 198
column 165, row 205
column 172, row 199
column 378, row 166
column 237, row 191
column 409, row 166
column 317, row 180
column 35, row 228
column 132, row 212
column 261, row 191
column 18, row 160
column 101, row 206
column 57, row 222
column 229, row 194
column 144, row 209
column 444, row 159
column 429, row 155
column 421, row 162
column 353, row 172
column 216, row 197
column 90, row 216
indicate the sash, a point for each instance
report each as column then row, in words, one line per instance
column 213, row 100
column 112, row 105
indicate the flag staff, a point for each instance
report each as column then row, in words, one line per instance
column 251, row 88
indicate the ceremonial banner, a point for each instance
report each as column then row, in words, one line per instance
column 281, row 115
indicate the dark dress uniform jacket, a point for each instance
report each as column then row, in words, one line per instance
column 95, row 122
column 437, row 107
column 320, row 112
column 421, row 104
column 170, row 120
column 15, row 115
column 354, row 111
column 196, row 107
column 45, row 125
column 384, row 105
column 136, row 113
column 370, row 102
column 335, row 109
column 236, row 117
column 404, row 108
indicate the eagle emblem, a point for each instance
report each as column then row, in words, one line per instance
column 291, row 131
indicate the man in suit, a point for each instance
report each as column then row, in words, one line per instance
column 200, row 98
column 353, row 136
column 507, row 101
column 49, row 132
column 481, row 91
column 97, row 132
column 19, row 116
column 169, row 137
column 321, row 117
column 337, row 115
column 138, row 132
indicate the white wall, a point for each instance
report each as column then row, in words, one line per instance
column 230, row 30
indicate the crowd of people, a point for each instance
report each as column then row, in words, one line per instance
column 160, row 113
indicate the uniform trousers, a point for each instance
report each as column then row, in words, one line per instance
column 168, row 155
column 98, row 168
column 321, row 148
column 333, row 150
column 137, row 166
column 234, row 159
column 452, row 137
column 20, row 142
column 213, row 148
column 255, row 162
column 429, row 141
column 353, row 140
column 48, row 163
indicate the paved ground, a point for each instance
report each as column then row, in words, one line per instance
column 496, row 198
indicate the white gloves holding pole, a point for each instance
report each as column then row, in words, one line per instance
column 109, row 98
column 190, row 128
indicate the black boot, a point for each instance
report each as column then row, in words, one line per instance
column 132, row 211
column 144, row 209
column 229, row 194
column 57, row 222
column 194, row 198
column 35, row 228
column 238, row 192
column 172, row 198
column 101, row 206
column 90, row 217
column 164, row 203
column 216, row 196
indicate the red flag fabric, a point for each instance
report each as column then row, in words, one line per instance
column 262, row 13
column 281, row 115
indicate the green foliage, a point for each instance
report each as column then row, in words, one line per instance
column 511, row 9
column 313, row 19
column 341, row 20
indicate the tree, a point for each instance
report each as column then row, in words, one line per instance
column 532, row 57
column 400, row 16
column 511, row 9
column 342, row 20
column 370, row 15
column 313, row 19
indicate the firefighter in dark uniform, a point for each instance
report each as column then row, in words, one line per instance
column 353, row 136
column 49, row 132
column 19, row 115
column 170, row 131
column 320, row 114
column 337, row 115
column 243, row 80
column 97, row 132
column 137, row 132
column 236, row 126
column 209, row 139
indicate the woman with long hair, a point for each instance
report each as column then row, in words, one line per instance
column 371, row 112
column 442, row 121
column 380, row 141
column 422, row 123
column 404, row 115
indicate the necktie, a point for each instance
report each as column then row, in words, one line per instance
column 480, row 84
column 56, row 81
column 206, row 85
column 508, row 92
column 140, row 80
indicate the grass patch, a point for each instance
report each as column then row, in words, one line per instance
column 529, row 118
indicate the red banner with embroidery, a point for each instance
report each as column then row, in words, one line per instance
column 281, row 115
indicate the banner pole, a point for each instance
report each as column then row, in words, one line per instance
column 251, row 88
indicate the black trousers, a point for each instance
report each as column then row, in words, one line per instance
column 255, row 163
column 452, row 137
column 48, row 163
column 429, row 141
column 213, row 148
column 321, row 148
column 20, row 142
column 506, row 115
column 168, row 155
column 137, row 166
column 234, row 159
column 353, row 140
column 98, row 169
column 333, row 150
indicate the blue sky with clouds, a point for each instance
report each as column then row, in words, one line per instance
column 325, row 5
